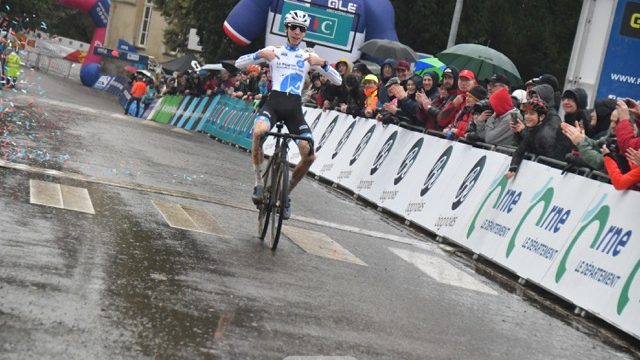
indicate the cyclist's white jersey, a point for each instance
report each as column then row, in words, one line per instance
column 289, row 68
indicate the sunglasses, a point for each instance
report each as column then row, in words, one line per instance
column 297, row 27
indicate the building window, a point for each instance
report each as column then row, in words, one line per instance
column 146, row 23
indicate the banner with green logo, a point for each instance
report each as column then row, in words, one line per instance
column 168, row 108
column 329, row 28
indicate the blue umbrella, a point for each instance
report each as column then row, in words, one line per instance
column 429, row 64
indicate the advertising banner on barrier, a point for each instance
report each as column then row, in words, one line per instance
column 194, row 111
column 342, row 152
column 168, row 108
column 208, row 113
column 597, row 269
column 416, row 174
column 185, row 109
column 398, row 146
column 325, row 132
column 329, row 140
column 456, row 191
column 523, row 224
column 360, row 159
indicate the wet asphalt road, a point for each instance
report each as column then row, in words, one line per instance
column 123, row 284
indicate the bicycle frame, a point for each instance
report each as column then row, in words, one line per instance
column 276, row 181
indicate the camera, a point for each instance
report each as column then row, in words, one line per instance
column 630, row 103
column 481, row 106
column 612, row 145
column 433, row 111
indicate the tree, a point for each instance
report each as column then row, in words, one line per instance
column 48, row 16
column 207, row 18
column 537, row 35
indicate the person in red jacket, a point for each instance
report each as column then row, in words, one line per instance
column 619, row 180
column 459, row 127
column 625, row 133
column 466, row 80
column 138, row 90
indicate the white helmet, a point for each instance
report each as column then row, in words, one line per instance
column 297, row 17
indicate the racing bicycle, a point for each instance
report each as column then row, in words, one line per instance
column 276, row 186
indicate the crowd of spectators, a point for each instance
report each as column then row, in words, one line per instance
column 540, row 119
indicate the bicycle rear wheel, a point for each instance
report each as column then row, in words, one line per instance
column 268, row 202
column 280, row 194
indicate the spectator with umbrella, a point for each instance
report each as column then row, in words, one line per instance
column 387, row 71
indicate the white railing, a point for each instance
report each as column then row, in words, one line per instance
column 52, row 65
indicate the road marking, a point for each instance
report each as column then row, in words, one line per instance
column 45, row 193
column 441, row 271
column 60, row 196
column 352, row 229
column 205, row 198
column 188, row 218
column 77, row 199
column 319, row 244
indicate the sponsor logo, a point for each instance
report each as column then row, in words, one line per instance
column 635, row 21
column 631, row 20
column 362, row 145
column 469, row 183
column 332, row 27
column 384, row 152
column 343, row 140
column 408, row 161
column 327, row 133
column 608, row 240
column 316, row 121
column 300, row 64
column 436, row 170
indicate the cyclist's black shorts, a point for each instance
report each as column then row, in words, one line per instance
column 285, row 107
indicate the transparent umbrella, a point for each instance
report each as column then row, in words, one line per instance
column 384, row 49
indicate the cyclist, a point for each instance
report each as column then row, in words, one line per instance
column 289, row 64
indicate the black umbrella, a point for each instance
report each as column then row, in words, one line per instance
column 230, row 66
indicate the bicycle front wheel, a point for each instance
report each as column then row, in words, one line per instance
column 268, row 203
column 280, row 193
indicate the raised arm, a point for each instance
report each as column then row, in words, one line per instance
column 266, row 54
column 320, row 64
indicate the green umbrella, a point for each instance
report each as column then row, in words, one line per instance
column 482, row 60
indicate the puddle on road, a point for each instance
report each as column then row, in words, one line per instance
column 135, row 270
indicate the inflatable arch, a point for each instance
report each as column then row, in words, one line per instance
column 98, row 10
column 338, row 27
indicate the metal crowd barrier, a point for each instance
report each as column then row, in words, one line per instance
column 52, row 65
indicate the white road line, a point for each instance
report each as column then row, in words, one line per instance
column 442, row 272
column 352, row 229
